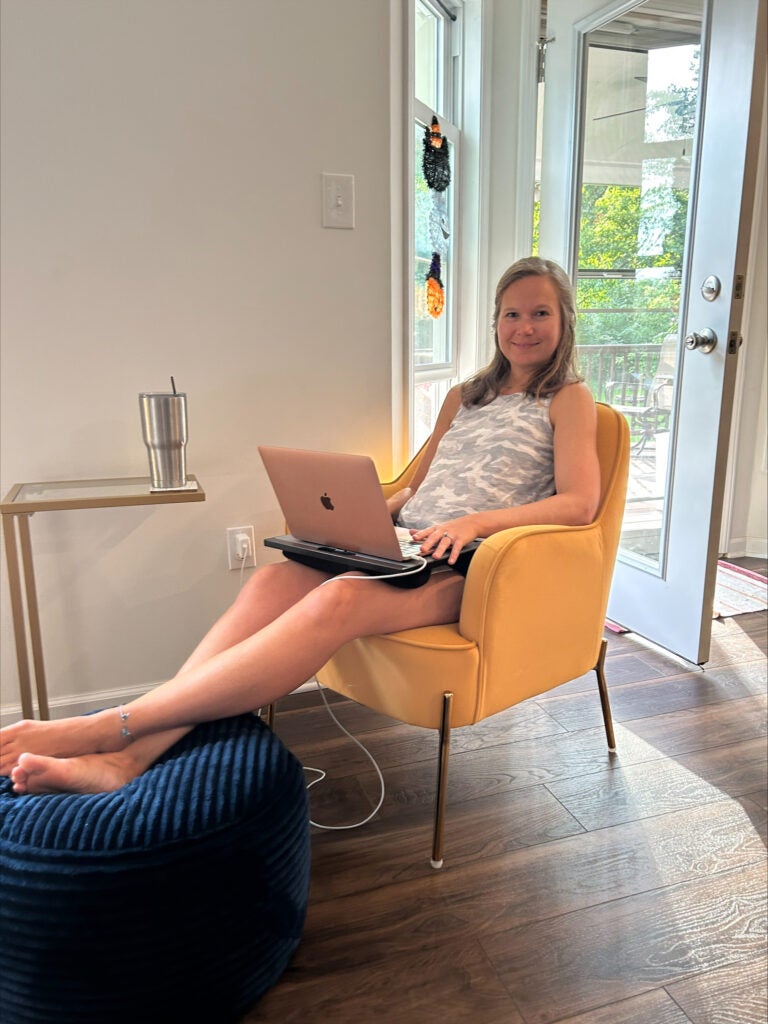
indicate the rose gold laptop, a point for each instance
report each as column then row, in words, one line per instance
column 336, row 512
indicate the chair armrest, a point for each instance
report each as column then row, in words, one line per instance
column 534, row 603
column 661, row 394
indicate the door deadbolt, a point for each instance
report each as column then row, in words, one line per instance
column 704, row 340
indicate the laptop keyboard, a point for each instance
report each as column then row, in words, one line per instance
column 409, row 548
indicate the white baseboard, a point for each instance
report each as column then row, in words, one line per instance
column 747, row 547
column 81, row 703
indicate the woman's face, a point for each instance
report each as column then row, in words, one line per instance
column 530, row 325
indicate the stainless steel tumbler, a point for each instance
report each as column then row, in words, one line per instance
column 164, row 428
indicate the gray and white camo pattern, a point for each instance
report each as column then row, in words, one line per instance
column 495, row 456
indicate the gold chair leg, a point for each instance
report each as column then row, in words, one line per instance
column 442, row 779
column 603, row 688
column 269, row 715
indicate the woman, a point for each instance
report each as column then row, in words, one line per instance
column 514, row 445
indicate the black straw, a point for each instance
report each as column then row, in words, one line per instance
column 173, row 385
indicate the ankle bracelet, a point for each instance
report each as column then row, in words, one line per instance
column 125, row 732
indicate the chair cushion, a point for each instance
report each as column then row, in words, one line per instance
column 180, row 897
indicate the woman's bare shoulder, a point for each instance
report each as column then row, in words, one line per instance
column 573, row 397
column 453, row 398
column 451, row 405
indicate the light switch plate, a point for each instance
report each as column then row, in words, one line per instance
column 338, row 200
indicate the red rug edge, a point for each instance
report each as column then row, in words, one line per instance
column 742, row 571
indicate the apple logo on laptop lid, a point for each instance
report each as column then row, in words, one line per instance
column 326, row 502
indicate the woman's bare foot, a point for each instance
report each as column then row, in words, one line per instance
column 90, row 773
column 65, row 737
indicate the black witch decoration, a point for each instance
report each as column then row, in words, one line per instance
column 435, row 164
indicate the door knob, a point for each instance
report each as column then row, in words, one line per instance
column 704, row 340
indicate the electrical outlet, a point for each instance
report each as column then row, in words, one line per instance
column 241, row 547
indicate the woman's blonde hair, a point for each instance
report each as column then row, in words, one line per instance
column 485, row 385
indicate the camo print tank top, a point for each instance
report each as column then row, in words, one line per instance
column 494, row 456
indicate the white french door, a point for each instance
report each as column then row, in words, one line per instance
column 653, row 107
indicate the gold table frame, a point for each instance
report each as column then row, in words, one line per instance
column 21, row 502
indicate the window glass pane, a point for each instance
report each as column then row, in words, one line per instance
column 428, row 396
column 433, row 218
column 639, row 124
column 433, row 349
column 427, row 38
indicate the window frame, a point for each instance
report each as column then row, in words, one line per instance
column 439, row 376
column 465, row 72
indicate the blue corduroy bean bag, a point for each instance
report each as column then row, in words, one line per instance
column 178, row 898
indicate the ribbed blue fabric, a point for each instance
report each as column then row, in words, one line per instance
column 178, row 898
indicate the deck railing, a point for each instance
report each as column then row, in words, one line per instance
column 601, row 365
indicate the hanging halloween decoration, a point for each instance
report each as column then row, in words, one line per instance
column 437, row 174
column 435, row 162
column 435, row 293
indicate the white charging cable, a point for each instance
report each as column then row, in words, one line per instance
column 422, row 562
column 321, row 775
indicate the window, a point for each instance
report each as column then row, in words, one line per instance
column 433, row 355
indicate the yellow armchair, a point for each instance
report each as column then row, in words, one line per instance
column 532, row 618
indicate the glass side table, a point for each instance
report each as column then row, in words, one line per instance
column 21, row 502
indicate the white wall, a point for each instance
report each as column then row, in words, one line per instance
column 160, row 187
column 746, row 522
column 161, row 164
column 511, row 163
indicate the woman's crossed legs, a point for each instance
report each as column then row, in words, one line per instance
column 282, row 628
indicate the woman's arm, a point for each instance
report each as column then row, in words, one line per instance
column 577, row 482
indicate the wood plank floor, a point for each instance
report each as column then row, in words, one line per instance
column 578, row 886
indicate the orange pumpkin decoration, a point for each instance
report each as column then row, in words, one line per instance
column 435, row 293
